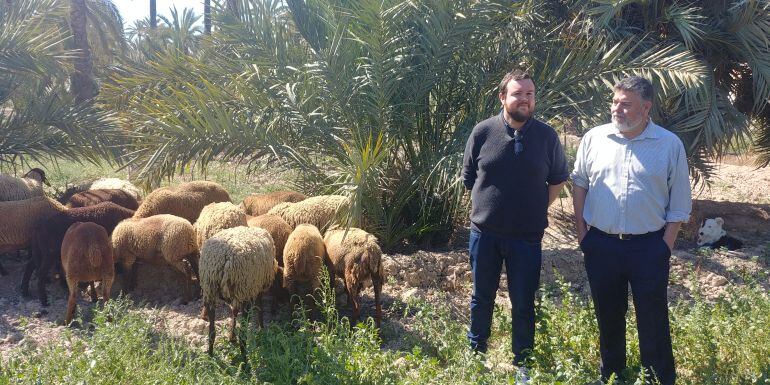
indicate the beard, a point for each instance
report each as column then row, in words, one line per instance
column 519, row 116
column 627, row 126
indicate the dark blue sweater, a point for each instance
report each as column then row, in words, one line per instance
column 509, row 192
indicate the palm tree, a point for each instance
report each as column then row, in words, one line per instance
column 374, row 99
column 39, row 117
column 83, row 84
column 729, row 40
column 181, row 32
column 153, row 14
column 207, row 16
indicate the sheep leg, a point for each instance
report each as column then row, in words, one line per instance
column 131, row 273
column 377, row 283
column 352, row 298
column 107, row 287
column 92, row 292
column 42, row 273
column 205, row 313
column 28, row 269
column 212, row 327
column 260, row 315
column 234, row 310
column 73, row 290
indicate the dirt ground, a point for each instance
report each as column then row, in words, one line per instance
column 738, row 192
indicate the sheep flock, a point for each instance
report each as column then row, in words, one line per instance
column 235, row 253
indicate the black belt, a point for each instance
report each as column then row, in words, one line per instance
column 626, row 237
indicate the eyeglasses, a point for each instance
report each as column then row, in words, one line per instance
column 518, row 146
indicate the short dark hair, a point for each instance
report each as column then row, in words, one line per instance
column 516, row 74
column 637, row 84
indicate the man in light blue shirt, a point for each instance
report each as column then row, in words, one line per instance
column 631, row 195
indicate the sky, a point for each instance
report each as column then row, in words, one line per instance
column 132, row 10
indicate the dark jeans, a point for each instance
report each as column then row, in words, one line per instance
column 643, row 262
column 522, row 260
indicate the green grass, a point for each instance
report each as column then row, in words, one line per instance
column 727, row 342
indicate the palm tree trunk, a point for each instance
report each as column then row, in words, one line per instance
column 153, row 14
column 207, row 16
column 232, row 7
column 82, row 82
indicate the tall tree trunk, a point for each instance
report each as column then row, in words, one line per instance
column 82, row 82
column 232, row 7
column 207, row 16
column 153, row 14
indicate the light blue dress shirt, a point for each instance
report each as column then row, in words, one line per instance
column 634, row 185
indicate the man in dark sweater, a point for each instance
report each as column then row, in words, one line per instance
column 515, row 167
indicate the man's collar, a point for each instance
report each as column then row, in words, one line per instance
column 523, row 128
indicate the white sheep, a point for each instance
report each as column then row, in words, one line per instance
column 159, row 239
column 237, row 265
column 320, row 211
column 355, row 255
column 28, row 186
column 216, row 217
column 303, row 257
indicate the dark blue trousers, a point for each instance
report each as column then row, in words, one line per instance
column 522, row 260
column 643, row 262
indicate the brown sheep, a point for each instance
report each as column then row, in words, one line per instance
column 186, row 200
column 86, row 256
column 49, row 232
column 258, row 204
column 278, row 229
column 355, row 255
column 303, row 257
column 92, row 197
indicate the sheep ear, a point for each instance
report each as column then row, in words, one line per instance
column 720, row 221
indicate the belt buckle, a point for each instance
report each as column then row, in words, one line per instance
column 623, row 237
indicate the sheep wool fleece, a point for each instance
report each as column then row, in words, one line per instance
column 237, row 265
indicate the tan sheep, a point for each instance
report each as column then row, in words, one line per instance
column 28, row 186
column 320, row 211
column 237, row 265
column 159, row 239
column 216, row 217
column 278, row 229
column 19, row 219
column 258, row 204
column 303, row 257
column 355, row 255
column 86, row 256
column 186, row 200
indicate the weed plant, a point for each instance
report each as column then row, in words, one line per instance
column 716, row 343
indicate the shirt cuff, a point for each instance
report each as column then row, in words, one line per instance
column 579, row 181
column 677, row 216
column 556, row 179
